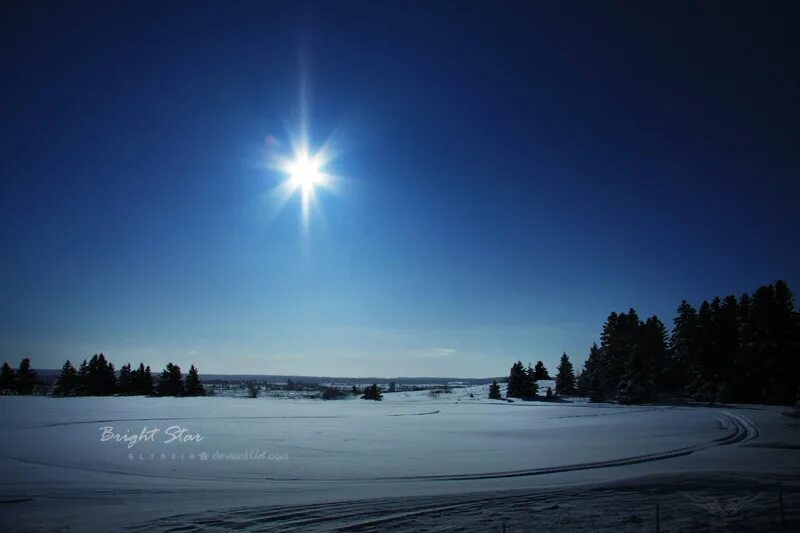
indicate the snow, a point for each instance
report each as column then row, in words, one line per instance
column 259, row 461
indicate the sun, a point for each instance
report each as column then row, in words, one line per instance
column 304, row 172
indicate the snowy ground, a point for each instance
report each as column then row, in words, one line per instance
column 408, row 463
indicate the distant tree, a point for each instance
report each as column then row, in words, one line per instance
column 517, row 381
column 83, row 379
column 193, row 385
column 654, row 342
column 548, row 393
column 591, row 382
column 494, row 391
column 25, row 377
column 6, row 379
column 521, row 381
column 684, row 345
column 372, row 393
column 355, row 391
column 171, row 381
column 392, row 387
column 332, row 393
column 125, row 381
column 98, row 378
column 776, row 332
column 565, row 378
column 253, row 389
column 67, row 384
column 147, row 385
column 744, row 378
column 540, row 372
column 647, row 359
column 141, row 381
column 531, row 387
column 636, row 385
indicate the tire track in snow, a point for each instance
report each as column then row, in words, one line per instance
column 330, row 516
column 742, row 430
column 201, row 418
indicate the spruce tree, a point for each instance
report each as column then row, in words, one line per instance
column 591, row 383
column 372, row 393
column 684, row 345
column 531, row 387
column 171, row 381
column 787, row 338
column 100, row 378
column 148, row 387
column 25, row 377
column 540, row 372
column 125, row 383
column 193, row 385
column 654, row 341
column 703, row 382
column 109, row 377
column 6, row 379
column 636, row 385
column 565, row 378
column 67, row 383
column 517, row 381
column 494, row 391
column 83, row 379
column 744, row 379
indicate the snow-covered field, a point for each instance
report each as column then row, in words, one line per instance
column 410, row 462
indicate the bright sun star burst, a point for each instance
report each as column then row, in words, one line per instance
column 302, row 166
column 305, row 171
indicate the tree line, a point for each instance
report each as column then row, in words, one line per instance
column 20, row 381
column 730, row 349
column 523, row 381
column 98, row 377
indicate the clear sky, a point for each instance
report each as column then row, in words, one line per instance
column 507, row 176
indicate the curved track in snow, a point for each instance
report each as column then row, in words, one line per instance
column 741, row 430
column 226, row 418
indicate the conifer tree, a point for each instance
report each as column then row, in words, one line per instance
column 684, row 344
column 193, row 385
column 744, row 379
column 540, row 372
column 99, row 377
column 67, row 384
column 521, row 382
column 125, row 383
column 372, row 393
column 83, row 379
column 148, row 387
column 494, row 391
column 565, row 378
column 591, row 382
column 531, row 387
column 6, row 379
column 516, row 381
column 171, row 381
column 25, row 379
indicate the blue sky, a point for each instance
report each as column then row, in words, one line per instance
column 508, row 175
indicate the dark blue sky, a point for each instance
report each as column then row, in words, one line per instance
column 507, row 175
